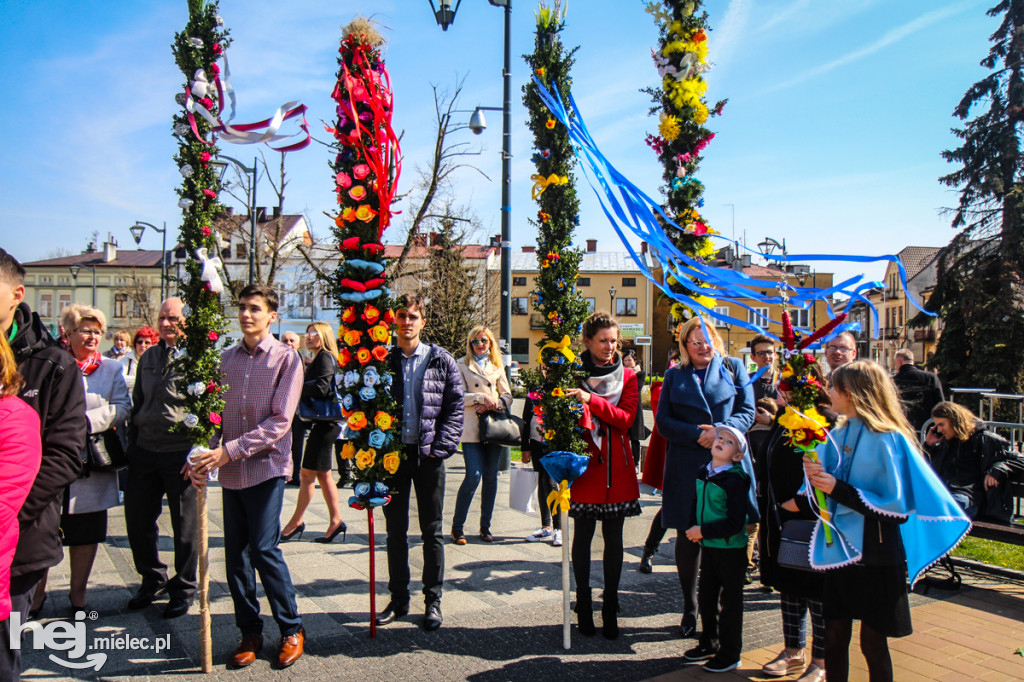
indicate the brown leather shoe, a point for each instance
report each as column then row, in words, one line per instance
column 291, row 648
column 247, row 649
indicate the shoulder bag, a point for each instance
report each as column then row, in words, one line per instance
column 104, row 452
column 795, row 540
column 500, row 428
column 322, row 409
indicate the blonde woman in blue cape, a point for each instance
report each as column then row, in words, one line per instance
column 891, row 517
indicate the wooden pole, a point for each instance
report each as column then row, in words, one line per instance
column 564, row 517
column 205, row 634
column 373, row 578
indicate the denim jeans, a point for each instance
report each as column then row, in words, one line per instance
column 482, row 461
column 252, row 528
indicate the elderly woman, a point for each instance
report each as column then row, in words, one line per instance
column 704, row 391
column 973, row 462
column 84, row 521
column 486, row 390
column 122, row 341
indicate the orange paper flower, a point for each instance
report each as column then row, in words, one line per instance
column 391, row 462
column 365, row 458
column 352, row 337
column 344, row 357
column 370, row 314
column 383, row 421
column 348, row 450
column 379, row 333
column 357, row 421
column 365, row 213
column 348, row 316
column 380, row 353
column 363, row 356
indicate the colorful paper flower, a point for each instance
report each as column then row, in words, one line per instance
column 357, row 193
column 213, row 336
column 344, row 180
column 365, row 458
column 344, row 357
column 349, row 316
column 357, row 421
column 391, row 462
column 371, row 377
column 348, row 450
column 550, row 125
column 365, row 213
column 383, row 420
column 360, row 170
column 370, row 314
column 377, row 438
column 352, row 337
column 379, row 333
column 380, row 354
column 215, row 418
column 557, row 392
column 363, row 356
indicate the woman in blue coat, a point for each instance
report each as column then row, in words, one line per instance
column 704, row 391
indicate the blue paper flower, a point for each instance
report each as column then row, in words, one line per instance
column 351, row 378
column 366, row 394
column 348, row 402
column 371, row 377
column 377, row 438
column 386, row 380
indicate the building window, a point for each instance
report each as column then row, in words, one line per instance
column 240, row 251
column 121, row 305
column 801, row 318
column 629, row 281
column 583, row 281
column 758, row 316
column 45, row 305
column 46, row 279
column 625, row 307
column 591, row 305
column 722, row 311
column 281, row 298
column 63, row 301
column 888, row 317
column 520, row 305
column 521, row 350
column 519, row 281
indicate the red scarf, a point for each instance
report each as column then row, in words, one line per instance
column 89, row 365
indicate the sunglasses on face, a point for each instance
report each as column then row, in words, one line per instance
column 478, row 342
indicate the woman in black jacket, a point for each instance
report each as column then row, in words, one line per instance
column 317, row 461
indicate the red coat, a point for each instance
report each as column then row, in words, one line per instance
column 20, row 455
column 654, row 464
column 592, row 487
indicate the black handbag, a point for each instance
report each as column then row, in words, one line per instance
column 104, row 452
column 322, row 409
column 500, row 428
column 795, row 545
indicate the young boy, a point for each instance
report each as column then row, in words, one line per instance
column 720, row 508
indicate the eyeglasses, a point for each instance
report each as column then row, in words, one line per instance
column 838, row 349
column 698, row 344
column 478, row 342
column 764, row 353
column 312, row 333
column 89, row 332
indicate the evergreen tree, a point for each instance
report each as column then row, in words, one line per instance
column 980, row 288
column 451, row 312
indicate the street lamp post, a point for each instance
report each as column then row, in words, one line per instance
column 611, row 293
column 137, row 230
column 252, row 203
column 75, row 269
column 445, row 17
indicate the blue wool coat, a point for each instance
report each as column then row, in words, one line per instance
column 441, row 412
column 685, row 405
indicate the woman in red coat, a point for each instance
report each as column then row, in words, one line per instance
column 608, row 490
column 20, row 455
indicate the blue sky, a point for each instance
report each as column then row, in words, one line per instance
column 838, row 111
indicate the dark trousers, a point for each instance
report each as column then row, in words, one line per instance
column 151, row 476
column 252, row 528
column 722, row 573
column 687, row 563
column 299, row 429
column 655, row 535
column 427, row 476
column 545, row 485
column 22, row 589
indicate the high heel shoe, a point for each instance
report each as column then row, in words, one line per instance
column 585, row 613
column 343, row 529
column 610, row 616
column 285, row 537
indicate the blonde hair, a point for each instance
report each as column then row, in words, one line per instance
column 326, row 334
column 711, row 335
column 874, row 396
column 125, row 336
column 961, row 420
column 10, row 380
column 74, row 314
column 493, row 354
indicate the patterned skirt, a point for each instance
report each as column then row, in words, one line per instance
column 612, row 510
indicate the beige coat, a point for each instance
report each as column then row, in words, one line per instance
column 477, row 384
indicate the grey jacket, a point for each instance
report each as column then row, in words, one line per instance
column 157, row 404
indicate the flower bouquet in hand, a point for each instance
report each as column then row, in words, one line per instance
column 805, row 426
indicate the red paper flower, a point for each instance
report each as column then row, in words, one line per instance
column 349, row 315
column 217, row 49
column 206, row 102
column 344, row 357
column 380, row 353
column 205, row 158
column 787, row 331
column 213, row 336
column 210, row 193
column 215, row 418
column 363, row 356
column 212, row 388
column 389, row 317
column 206, row 231
column 214, row 69
column 370, row 314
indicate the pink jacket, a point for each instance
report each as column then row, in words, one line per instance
column 20, row 455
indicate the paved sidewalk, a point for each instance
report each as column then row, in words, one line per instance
column 502, row 608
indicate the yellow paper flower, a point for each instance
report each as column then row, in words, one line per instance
column 391, row 462
column 669, row 127
column 809, row 419
column 383, row 421
column 379, row 333
column 348, row 214
column 352, row 337
column 549, row 434
column 550, row 125
column 365, row 213
column 348, row 450
column 357, row 421
column 787, row 372
column 366, row 458
column 558, row 392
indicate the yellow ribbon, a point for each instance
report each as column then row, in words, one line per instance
column 540, row 183
column 564, row 347
column 559, row 499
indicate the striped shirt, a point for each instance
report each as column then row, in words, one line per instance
column 263, row 393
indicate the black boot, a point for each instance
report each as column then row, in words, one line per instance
column 647, row 561
column 585, row 613
column 610, row 615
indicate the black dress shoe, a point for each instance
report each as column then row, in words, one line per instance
column 646, row 562
column 433, row 618
column 689, row 625
column 392, row 612
column 177, row 606
column 144, row 597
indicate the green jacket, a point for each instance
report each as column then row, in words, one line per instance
column 721, row 507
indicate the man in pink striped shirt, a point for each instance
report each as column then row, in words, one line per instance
column 264, row 378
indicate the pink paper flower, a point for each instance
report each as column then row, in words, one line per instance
column 361, row 171
column 214, row 69
column 213, row 336
column 210, row 193
column 344, row 180
column 215, row 418
column 206, row 231
column 217, row 49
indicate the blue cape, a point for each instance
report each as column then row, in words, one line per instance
column 893, row 479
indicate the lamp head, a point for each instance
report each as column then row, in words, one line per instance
column 445, row 16
column 137, row 230
column 477, row 122
column 75, row 269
